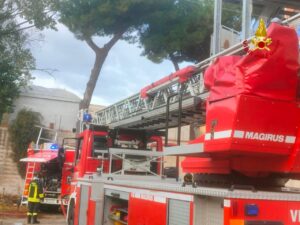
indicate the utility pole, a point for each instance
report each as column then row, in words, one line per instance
column 246, row 19
column 217, row 26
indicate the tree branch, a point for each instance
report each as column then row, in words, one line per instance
column 16, row 13
column 25, row 28
column 48, row 71
column 23, row 22
column 174, row 61
column 11, row 31
column 92, row 44
column 113, row 41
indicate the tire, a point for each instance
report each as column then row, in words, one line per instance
column 71, row 213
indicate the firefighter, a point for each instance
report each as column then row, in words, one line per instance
column 35, row 194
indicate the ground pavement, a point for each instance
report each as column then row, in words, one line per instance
column 45, row 219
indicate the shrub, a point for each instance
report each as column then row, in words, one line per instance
column 22, row 132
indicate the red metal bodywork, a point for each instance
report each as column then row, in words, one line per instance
column 253, row 121
column 84, row 162
column 278, row 212
column 77, row 206
column 146, row 211
column 67, row 172
column 41, row 156
column 150, row 207
column 35, row 160
column 252, row 112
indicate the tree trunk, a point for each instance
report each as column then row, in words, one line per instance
column 174, row 61
column 91, row 84
column 101, row 54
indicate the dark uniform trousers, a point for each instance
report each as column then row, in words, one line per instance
column 33, row 208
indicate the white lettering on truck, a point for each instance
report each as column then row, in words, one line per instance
column 264, row 137
column 295, row 215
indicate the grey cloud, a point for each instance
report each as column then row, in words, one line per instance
column 124, row 72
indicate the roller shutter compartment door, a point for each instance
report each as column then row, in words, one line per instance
column 179, row 212
column 84, row 194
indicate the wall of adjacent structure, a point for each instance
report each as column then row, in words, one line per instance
column 10, row 180
column 59, row 109
column 60, row 114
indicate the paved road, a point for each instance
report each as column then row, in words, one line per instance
column 45, row 219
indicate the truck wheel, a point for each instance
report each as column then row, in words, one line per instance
column 71, row 213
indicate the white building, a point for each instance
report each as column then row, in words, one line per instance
column 58, row 107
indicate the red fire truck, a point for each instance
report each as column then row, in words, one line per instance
column 53, row 164
column 58, row 166
column 235, row 171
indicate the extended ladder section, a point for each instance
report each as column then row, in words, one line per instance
column 30, row 169
column 46, row 135
column 147, row 109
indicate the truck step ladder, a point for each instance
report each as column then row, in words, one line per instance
column 31, row 166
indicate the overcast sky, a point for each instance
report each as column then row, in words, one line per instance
column 124, row 72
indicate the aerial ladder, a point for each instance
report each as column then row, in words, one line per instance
column 180, row 99
column 131, row 199
column 147, row 108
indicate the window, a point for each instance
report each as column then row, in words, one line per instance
column 99, row 146
column 79, row 149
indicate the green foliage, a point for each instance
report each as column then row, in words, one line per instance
column 232, row 15
column 16, row 17
column 22, row 132
column 117, row 20
column 106, row 18
column 180, row 32
column 15, row 65
column 40, row 13
column 183, row 32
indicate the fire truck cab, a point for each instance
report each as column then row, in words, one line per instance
column 101, row 150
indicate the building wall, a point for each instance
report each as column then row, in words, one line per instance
column 10, row 181
column 59, row 112
column 58, row 107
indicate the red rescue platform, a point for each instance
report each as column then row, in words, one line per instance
column 252, row 121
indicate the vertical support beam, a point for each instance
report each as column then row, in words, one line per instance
column 123, row 161
column 217, row 26
column 167, row 119
column 246, row 19
column 110, row 162
column 179, row 127
column 38, row 140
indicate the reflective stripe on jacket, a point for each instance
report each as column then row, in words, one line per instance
column 35, row 192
